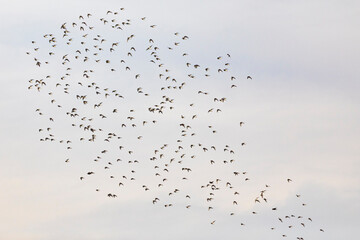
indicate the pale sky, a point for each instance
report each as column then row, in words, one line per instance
column 301, row 111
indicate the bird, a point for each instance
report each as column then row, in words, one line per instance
column 120, row 100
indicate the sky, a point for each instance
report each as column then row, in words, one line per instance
column 301, row 111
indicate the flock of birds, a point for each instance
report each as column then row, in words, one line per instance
column 120, row 108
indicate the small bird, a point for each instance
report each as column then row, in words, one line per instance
column 181, row 124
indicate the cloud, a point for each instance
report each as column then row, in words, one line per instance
column 300, row 110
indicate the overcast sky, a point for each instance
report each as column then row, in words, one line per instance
column 301, row 111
